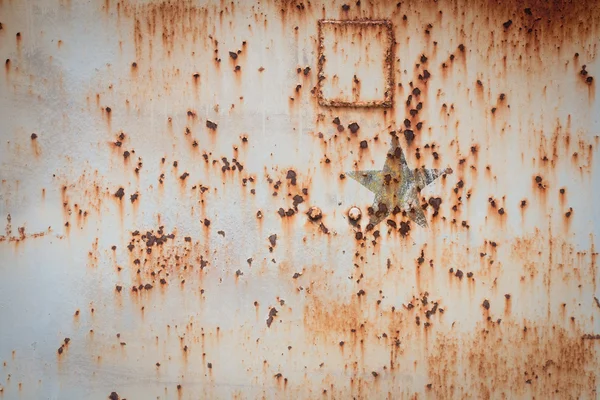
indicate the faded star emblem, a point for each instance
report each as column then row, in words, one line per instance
column 396, row 186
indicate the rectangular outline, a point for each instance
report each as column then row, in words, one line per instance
column 388, row 63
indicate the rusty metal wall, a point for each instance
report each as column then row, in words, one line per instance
column 178, row 181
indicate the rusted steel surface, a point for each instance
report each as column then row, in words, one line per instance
column 212, row 199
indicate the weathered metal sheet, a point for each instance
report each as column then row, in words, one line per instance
column 299, row 199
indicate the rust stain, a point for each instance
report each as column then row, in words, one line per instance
column 22, row 235
column 556, row 366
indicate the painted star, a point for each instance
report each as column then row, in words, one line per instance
column 396, row 186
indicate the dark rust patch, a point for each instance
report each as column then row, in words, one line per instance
column 272, row 314
column 273, row 240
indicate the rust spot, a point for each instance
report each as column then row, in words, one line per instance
column 589, row 336
column 272, row 314
column 404, row 228
column 354, row 127
column 291, row 175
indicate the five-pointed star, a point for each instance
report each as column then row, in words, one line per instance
column 396, row 185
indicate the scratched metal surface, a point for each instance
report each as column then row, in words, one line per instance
column 187, row 213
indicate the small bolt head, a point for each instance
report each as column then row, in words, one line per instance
column 314, row 213
column 354, row 214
